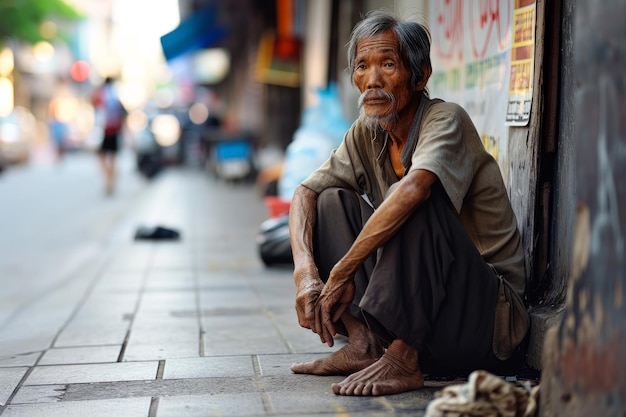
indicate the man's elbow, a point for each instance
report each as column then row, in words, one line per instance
column 303, row 194
column 416, row 186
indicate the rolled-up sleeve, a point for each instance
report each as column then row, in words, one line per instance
column 441, row 150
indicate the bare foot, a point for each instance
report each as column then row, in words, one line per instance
column 362, row 350
column 349, row 359
column 395, row 372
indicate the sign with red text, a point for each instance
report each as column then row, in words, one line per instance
column 471, row 57
column 522, row 64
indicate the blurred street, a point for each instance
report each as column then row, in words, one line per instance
column 95, row 323
column 55, row 219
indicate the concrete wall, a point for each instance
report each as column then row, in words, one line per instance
column 584, row 356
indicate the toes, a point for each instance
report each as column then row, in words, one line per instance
column 357, row 389
column 302, row 367
column 296, row 367
column 336, row 388
column 351, row 389
column 342, row 388
column 377, row 389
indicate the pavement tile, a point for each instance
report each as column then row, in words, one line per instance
column 174, row 249
column 131, row 262
column 167, row 300
column 241, row 335
column 170, row 331
column 159, row 388
column 209, row 367
column 175, row 280
column 12, row 347
column 222, row 281
column 217, row 405
column 324, row 402
column 129, row 254
column 169, row 335
column 106, row 372
column 168, row 260
column 365, row 414
column 176, row 276
column 34, row 330
column 130, row 407
column 279, row 293
column 275, row 365
column 165, row 328
column 22, row 359
column 235, row 297
column 158, row 351
column 413, row 401
column 93, row 332
column 169, row 285
column 119, row 282
column 9, row 378
column 38, row 394
column 108, row 305
column 81, row 355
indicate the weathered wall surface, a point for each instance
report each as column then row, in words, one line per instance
column 585, row 355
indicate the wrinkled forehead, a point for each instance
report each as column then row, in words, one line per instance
column 383, row 42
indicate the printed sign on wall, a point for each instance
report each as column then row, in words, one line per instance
column 522, row 63
column 472, row 44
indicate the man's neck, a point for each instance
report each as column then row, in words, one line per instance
column 399, row 130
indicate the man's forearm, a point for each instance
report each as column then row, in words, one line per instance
column 410, row 192
column 302, row 220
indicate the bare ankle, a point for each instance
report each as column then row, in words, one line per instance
column 401, row 352
column 359, row 334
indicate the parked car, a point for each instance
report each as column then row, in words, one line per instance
column 16, row 132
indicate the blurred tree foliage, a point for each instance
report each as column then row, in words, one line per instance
column 22, row 19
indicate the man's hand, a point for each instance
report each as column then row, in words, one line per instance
column 308, row 290
column 334, row 300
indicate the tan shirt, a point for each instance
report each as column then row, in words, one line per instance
column 450, row 147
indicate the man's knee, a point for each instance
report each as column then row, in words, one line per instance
column 335, row 198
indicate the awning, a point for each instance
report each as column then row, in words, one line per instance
column 198, row 31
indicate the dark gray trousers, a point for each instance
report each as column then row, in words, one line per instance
column 428, row 285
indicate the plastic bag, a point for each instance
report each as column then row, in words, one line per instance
column 322, row 129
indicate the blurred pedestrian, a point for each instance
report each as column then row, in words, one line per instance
column 58, row 134
column 111, row 112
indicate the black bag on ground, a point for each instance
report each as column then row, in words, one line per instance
column 273, row 241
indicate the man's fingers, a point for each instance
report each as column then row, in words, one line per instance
column 319, row 327
column 329, row 332
column 328, row 329
column 306, row 314
column 303, row 320
column 339, row 312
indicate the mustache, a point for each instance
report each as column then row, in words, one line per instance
column 375, row 93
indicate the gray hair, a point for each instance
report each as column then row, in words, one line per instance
column 413, row 40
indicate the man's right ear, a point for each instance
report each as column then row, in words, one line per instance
column 427, row 70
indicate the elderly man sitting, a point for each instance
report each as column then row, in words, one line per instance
column 405, row 239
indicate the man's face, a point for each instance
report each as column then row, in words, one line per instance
column 382, row 77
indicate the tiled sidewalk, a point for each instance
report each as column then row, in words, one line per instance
column 196, row 327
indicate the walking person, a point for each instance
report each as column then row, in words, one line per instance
column 110, row 111
column 405, row 239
